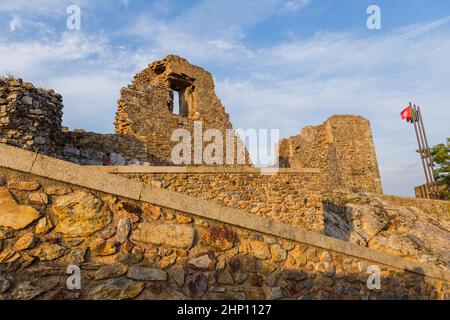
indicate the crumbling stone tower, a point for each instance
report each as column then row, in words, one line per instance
column 342, row 147
column 147, row 108
column 30, row 117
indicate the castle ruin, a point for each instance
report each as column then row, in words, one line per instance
column 139, row 226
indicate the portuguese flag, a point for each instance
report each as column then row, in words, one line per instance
column 409, row 114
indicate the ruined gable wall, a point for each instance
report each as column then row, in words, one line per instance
column 342, row 148
column 145, row 108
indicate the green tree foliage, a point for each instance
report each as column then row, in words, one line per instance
column 441, row 163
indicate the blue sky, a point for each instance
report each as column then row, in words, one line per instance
column 279, row 64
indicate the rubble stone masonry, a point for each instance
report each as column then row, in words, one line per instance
column 140, row 227
column 289, row 196
column 342, row 147
column 30, row 118
column 132, row 241
column 147, row 108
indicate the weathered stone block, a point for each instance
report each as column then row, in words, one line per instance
column 25, row 242
column 218, row 238
column 23, row 185
column 13, row 215
column 110, row 271
column 172, row 235
column 101, row 247
column 147, row 274
column 80, row 214
column 117, row 289
column 203, row 262
column 260, row 250
column 49, row 251
column 123, row 230
column 38, row 198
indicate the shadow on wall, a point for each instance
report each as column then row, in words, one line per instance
column 339, row 224
column 244, row 277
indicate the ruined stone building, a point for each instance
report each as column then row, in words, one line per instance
column 342, row 148
column 147, row 108
column 146, row 117
column 141, row 227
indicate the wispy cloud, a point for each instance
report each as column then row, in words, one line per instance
column 15, row 23
column 210, row 30
column 295, row 5
column 39, row 7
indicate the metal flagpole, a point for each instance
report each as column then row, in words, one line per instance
column 428, row 155
column 421, row 155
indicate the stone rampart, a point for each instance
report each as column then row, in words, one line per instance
column 132, row 240
column 285, row 195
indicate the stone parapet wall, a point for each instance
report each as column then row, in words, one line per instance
column 289, row 196
column 88, row 148
column 122, row 235
column 30, row 118
column 438, row 209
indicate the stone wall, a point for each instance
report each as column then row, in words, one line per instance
column 88, row 148
column 128, row 250
column 407, row 227
column 287, row 196
column 146, row 107
column 30, row 118
column 135, row 241
column 438, row 209
column 342, row 147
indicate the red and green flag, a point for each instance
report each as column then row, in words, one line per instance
column 409, row 114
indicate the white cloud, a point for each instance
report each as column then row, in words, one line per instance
column 295, row 5
column 33, row 57
column 39, row 7
column 420, row 29
column 87, row 70
column 210, row 30
column 15, row 23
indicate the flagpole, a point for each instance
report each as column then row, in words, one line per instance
column 424, row 150
column 421, row 154
column 428, row 155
